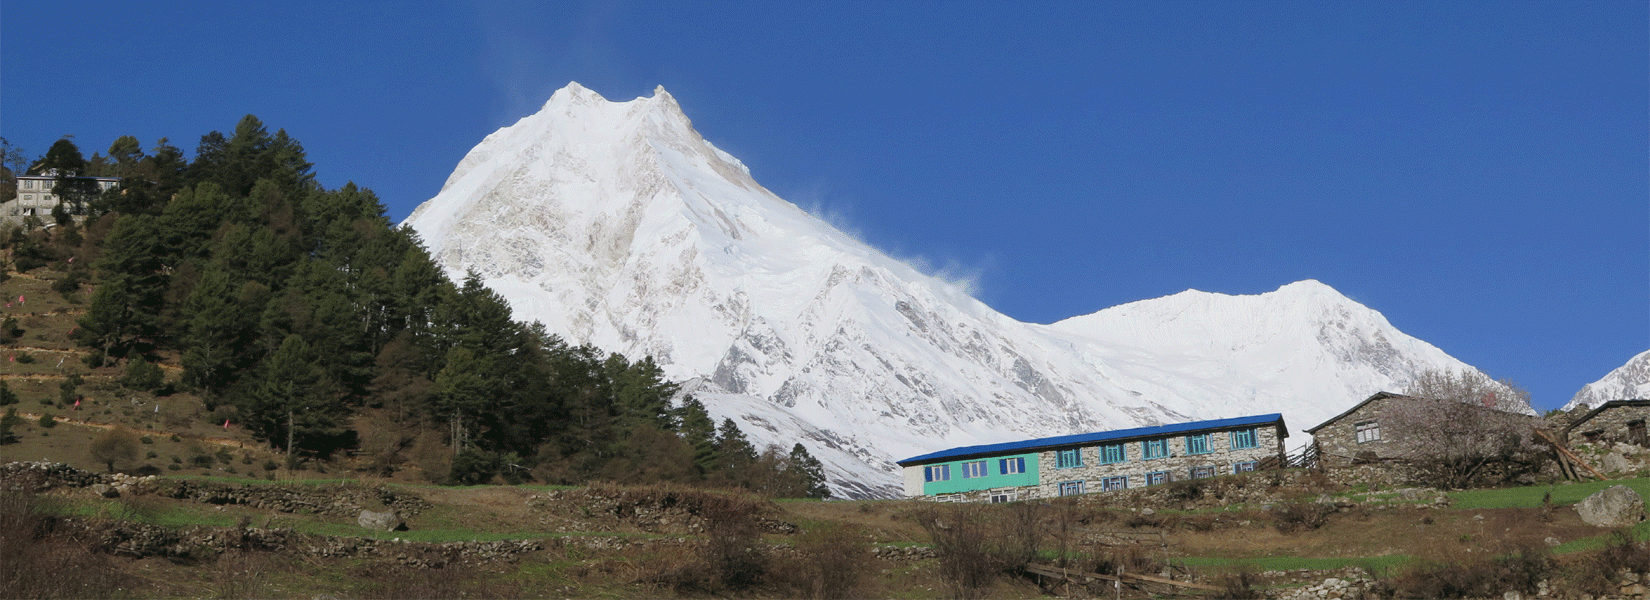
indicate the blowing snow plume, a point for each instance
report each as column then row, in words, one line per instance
column 616, row 224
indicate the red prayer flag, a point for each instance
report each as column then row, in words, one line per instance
column 226, row 423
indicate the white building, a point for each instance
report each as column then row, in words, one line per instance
column 34, row 192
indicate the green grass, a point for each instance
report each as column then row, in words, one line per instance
column 1530, row 497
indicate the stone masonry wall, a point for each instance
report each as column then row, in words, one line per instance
column 1178, row 464
column 1338, row 441
column 1611, row 424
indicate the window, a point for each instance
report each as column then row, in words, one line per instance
column 1158, row 478
column 1111, row 454
column 1071, row 488
column 936, row 473
column 1197, row 444
column 973, row 469
column 1244, row 438
column 1001, row 498
column 1203, row 472
column 1368, row 431
column 1154, row 449
column 1245, row 467
column 1111, row 484
column 1069, row 458
column 1010, row 466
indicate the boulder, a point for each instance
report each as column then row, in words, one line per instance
column 1614, row 506
column 380, row 521
column 105, row 490
column 1615, row 462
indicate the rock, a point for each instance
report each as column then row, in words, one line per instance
column 1614, row 462
column 1551, row 542
column 105, row 490
column 1147, row 512
column 1614, row 506
column 380, row 521
column 1512, row 595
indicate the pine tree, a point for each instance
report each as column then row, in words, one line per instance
column 734, row 454
column 809, row 473
column 699, row 432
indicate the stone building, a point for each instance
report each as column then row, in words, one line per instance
column 34, row 192
column 1613, row 421
column 1368, row 431
column 1096, row 462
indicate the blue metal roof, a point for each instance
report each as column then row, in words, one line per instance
column 1098, row 436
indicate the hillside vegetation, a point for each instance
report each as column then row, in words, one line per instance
column 232, row 291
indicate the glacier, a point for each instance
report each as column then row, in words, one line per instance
column 616, row 224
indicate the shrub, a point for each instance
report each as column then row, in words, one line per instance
column 142, row 375
column 1483, row 575
column 1301, row 516
column 34, row 554
column 966, row 564
column 47, row 420
column 830, row 562
column 115, row 445
column 25, row 358
column 173, row 467
column 69, row 283
column 1596, row 572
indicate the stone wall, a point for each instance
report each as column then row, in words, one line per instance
column 1338, row 442
column 1609, row 425
column 1178, row 464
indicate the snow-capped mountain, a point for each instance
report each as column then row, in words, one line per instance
column 1628, row 382
column 616, row 224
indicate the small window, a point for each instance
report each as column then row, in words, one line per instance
column 1368, row 431
column 1071, row 488
column 1111, row 454
column 1154, row 449
column 1197, row 444
column 1158, row 478
column 1245, row 467
column 1203, row 472
column 1244, row 438
column 1069, row 458
column 974, row 469
column 937, row 473
column 1010, row 466
column 1001, row 498
column 1112, row 484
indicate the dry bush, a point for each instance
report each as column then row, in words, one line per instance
column 244, row 574
column 1482, row 575
column 1301, row 516
column 731, row 556
column 395, row 582
column 733, row 548
column 1596, row 572
column 1239, row 584
column 960, row 532
column 1125, row 559
column 831, row 561
column 33, row 558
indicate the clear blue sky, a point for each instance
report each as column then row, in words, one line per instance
column 1475, row 171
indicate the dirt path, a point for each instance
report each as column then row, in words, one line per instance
column 140, row 431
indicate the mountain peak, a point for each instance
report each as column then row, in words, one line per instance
column 616, row 224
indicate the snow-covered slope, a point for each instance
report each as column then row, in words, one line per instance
column 1628, row 382
column 616, row 224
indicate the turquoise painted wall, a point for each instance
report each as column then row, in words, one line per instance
column 993, row 478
